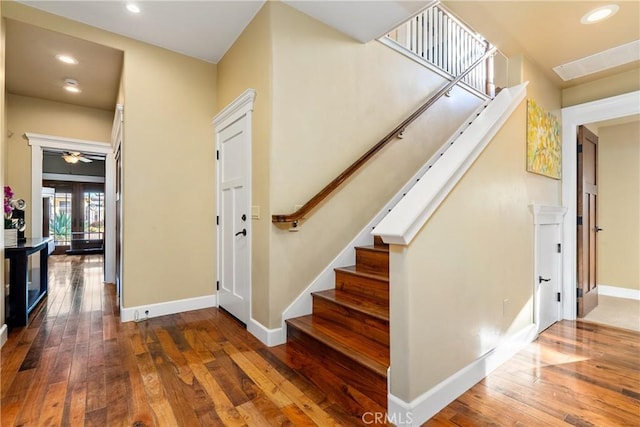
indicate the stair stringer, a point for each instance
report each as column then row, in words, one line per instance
column 407, row 217
column 325, row 280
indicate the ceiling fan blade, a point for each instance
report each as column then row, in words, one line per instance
column 69, row 158
column 84, row 159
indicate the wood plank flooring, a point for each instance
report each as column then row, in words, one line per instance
column 575, row 373
column 76, row 364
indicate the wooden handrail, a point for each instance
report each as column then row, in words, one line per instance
column 322, row 194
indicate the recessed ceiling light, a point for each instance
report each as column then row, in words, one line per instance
column 71, row 85
column 67, row 59
column 133, row 8
column 599, row 14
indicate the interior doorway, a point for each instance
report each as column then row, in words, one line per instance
column 605, row 109
column 45, row 143
column 74, row 217
column 74, row 211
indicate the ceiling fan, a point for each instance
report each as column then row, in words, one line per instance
column 74, row 157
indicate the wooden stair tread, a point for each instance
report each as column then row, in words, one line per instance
column 356, row 302
column 358, row 348
column 352, row 270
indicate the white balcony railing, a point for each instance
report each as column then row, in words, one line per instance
column 442, row 40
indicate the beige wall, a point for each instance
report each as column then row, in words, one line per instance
column 3, row 153
column 25, row 114
column 248, row 65
column 168, row 163
column 468, row 273
column 628, row 81
column 322, row 101
column 619, row 206
column 333, row 99
column 541, row 189
column 169, row 179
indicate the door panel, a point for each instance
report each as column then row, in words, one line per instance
column 118, row 224
column 587, row 221
column 234, row 227
column 548, row 280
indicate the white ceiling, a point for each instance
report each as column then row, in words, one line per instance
column 363, row 20
column 550, row 33
column 201, row 29
column 547, row 32
column 205, row 29
column 32, row 69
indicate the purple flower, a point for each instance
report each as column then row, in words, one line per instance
column 8, row 196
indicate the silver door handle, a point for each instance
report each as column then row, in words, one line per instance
column 243, row 232
column 542, row 279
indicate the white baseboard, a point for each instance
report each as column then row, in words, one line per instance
column 4, row 333
column 425, row 406
column 268, row 337
column 613, row 291
column 170, row 307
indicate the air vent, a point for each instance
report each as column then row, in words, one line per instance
column 600, row 61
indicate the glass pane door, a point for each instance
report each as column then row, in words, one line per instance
column 93, row 221
column 77, row 216
column 61, row 205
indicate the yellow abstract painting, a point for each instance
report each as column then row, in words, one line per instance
column 544, row 149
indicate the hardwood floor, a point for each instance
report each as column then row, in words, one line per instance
column 76, row 364
column 575, row 373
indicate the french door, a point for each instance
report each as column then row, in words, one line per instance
column 76, row 216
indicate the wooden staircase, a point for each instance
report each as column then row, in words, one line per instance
column 348, row 331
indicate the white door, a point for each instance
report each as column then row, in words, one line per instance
column 547, row 281
column 234, row 225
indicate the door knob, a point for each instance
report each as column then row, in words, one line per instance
column 243, row 232
column 243, row 217
column 542, row 279
column 596, row 229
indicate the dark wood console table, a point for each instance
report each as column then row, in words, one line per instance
column 22, row 300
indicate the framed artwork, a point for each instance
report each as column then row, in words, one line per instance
column 544, row 148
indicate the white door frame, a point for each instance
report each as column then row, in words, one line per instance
column 242, row 106
column 604, row 109
column 39, row 143
column 544, row 215
column 117, row 137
